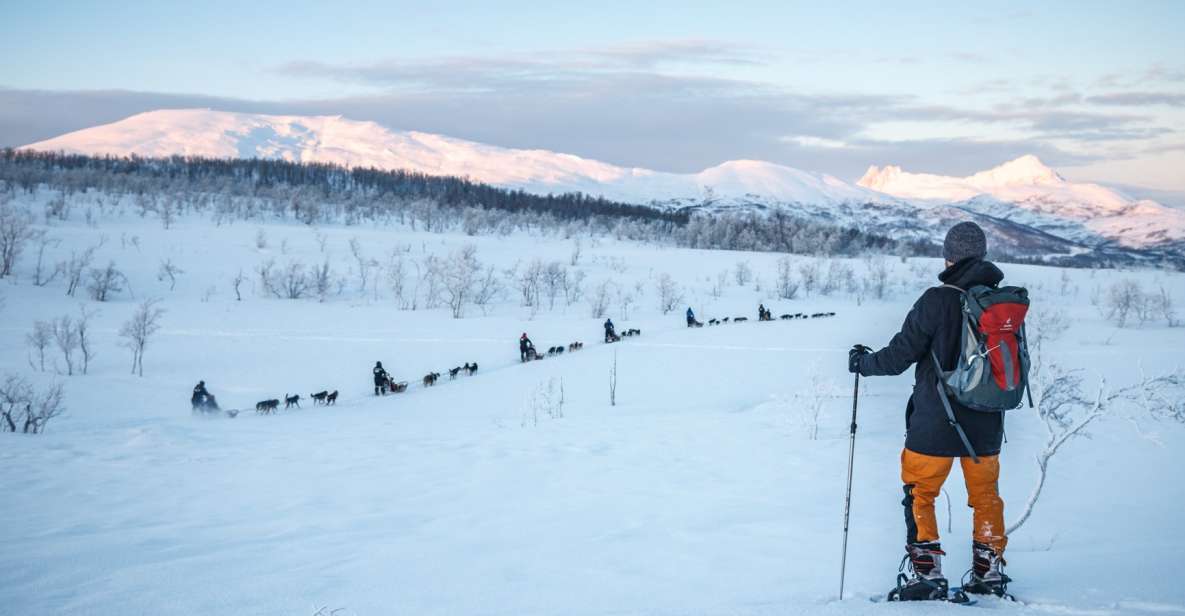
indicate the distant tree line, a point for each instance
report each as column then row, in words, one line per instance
column 318, row 193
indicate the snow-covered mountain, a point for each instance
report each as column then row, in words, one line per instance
column 333, row 139
column 1028, row 192
column 1027, row 207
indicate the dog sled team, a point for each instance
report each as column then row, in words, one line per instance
column 203, row 401
column 527, row 351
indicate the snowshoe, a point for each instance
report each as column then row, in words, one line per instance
column 986, row 575
column 925, row 582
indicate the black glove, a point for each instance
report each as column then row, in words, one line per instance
column 854, row 356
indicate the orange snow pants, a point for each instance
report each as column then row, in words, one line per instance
column 923, row 477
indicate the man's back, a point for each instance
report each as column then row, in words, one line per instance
column 935, row 322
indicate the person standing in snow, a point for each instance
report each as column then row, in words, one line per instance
column 932, row 443
column 690, row 317
column 380, row 378
column 524, row 345
column 610, row 333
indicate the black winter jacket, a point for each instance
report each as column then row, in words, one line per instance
column 934, row 323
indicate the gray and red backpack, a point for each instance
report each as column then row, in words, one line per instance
column 992, row 371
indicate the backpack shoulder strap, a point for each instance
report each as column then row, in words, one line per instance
column 950, row 412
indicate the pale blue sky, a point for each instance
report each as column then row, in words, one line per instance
column 1095, row 88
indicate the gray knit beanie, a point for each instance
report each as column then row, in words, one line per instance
column 964, row 240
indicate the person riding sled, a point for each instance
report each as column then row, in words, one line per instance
column 940, row 425
column 525, row 346
column 202, row 399
column 690, row 317
column 610, row 333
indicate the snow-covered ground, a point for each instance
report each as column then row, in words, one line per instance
column 700, row 492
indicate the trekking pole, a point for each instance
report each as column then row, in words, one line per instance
column 847, row 504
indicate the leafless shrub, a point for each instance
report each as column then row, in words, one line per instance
column 1122, row 299
column 555, row 279
column 573, row 287
column 876, row 281
column 530, row 282
column 138, row 330
column 65, row 337
column 489, row 288
column 669, row 294
column 106, row 282
column 26, row 410
column 321, row 281
column 839, row 276
column 787, row 285
column 75, row 267
column 743, row 273
column 291, row 282
column 810, row 272
column 364, row 263
column 38, row 341
column 237, row 284
column 625, row 299
column 430, row 277
column 460, row 277
column 16, row 228
column 598, row 299
column 546, row 399
column 397, row 277
column 1067, row 412
column 812, row 403
column 577, row 250
column 1165, row 307
column 43, row 241
column 83, row 328
column 169, row 271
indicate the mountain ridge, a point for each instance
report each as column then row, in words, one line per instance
column 1018, row 194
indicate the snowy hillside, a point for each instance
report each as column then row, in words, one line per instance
column 1027, row 191
column 333, row 139
column 521, row 490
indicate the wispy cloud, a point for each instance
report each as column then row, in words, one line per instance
column 1139, row 99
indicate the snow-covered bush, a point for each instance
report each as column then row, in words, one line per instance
column 1067, row 409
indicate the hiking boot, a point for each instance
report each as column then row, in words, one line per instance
column 987, row 575
column 925, row 582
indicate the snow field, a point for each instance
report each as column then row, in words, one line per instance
column 699, row 493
